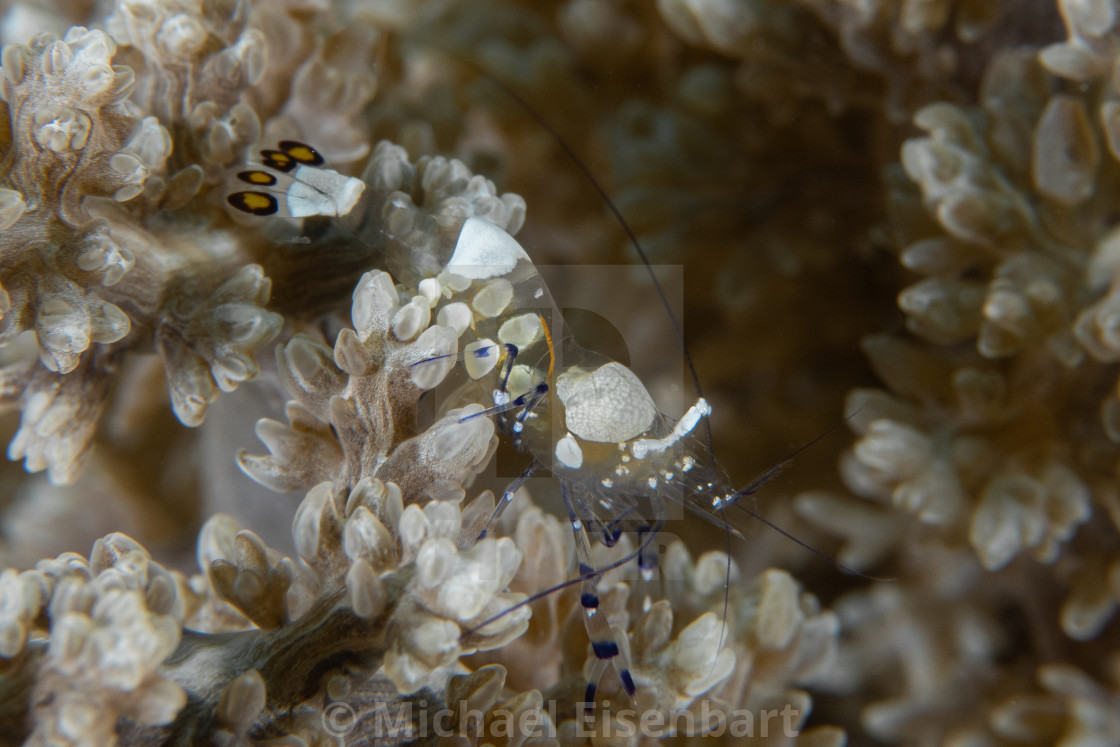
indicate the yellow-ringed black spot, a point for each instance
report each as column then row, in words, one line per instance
column 301, row 152
column 278, row 160
column 262, row 178
column 254, row 203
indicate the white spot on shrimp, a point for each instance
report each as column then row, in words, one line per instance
column 480, row 357
column 484, row 251
column 522, row 330
column 569, row 453
column 607, row 482
column 609, row 404
column 457, row 316
column 494, row 297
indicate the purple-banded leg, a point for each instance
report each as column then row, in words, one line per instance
column 607, row 652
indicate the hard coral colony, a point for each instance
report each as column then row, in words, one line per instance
column 799, row 156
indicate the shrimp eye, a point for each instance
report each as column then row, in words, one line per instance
column 254, row 203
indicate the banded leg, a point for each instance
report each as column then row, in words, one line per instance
column 607, row 652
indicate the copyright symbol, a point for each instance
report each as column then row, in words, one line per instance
column 339, row 719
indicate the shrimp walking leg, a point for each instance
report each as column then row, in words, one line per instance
column 604, row 642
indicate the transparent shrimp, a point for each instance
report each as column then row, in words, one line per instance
column 619, row 461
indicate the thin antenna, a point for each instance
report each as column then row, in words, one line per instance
column 777, row 469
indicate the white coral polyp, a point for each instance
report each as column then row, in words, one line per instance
column 215, row 343
column 374, row 305
column 437, row 519
column 435, row 562
column 61, row 128
column 127, row 643
column 1020, row 511
column 105, row 664
column 895, row 450
column 406, row 672
column 96, row 80
column 61, row 342
column 365, row 537
column 90, row 46
column 438, row 345
column 697, row 652
column 12, row 206
column 454, row 441
column 452, row 591
column 103, row 257
column 20, row 599
column 181, row 36
column 132, row 174
column 411, row 318
column 465, row 582
column 192, row 389
column 435, row 641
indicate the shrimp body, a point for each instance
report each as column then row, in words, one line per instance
column 587, row 418
column 590, row 420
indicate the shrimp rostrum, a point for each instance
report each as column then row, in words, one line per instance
column 591, row 421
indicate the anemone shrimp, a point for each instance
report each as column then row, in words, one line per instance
column 620, row 462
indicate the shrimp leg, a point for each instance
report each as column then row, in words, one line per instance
column 604, row 644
